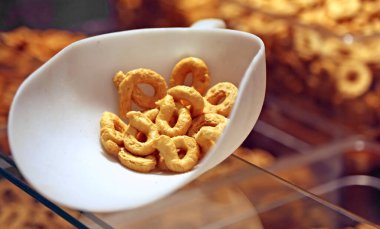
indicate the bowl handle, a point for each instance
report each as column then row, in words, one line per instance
column 210, row 23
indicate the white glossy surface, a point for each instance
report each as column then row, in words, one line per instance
column 54, row 119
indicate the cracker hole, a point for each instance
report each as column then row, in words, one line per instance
column 141, row 137
column 352, row 77
column 217, row 98
column 181, row 153
column 220, row 100
column 173, row 120
column 146, row 88
column 188, row 80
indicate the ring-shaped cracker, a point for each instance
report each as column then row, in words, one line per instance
column 137, row 163
column 198, row 69
column 353, row 79
column 190, row 95
column 220, row 98
column 129, row 91
column 138, row 122
column 112, row 130
column 168, row 150
column 168, row 110
column 207, row 119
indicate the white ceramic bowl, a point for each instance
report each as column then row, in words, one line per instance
column 54, row 119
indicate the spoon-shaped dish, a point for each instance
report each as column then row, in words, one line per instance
column 54, row 119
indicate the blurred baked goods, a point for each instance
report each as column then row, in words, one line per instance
column 19, row 210
column 134, row 14
column 38, row 44
column 320, row 52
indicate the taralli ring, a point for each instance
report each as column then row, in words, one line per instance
column 169, row 110
column 220, row 98
column 168, row 150
column 197, row 68
column 138, row 122
column 191, row 96
column 129, row 91
column 353, row 79
column 136, row 163
column 112, row 130
column 208, row 119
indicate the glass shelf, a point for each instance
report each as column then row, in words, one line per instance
column 239, row 194
column 234, row 194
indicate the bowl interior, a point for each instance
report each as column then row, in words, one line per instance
column 54, row 119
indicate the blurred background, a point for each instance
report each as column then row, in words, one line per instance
column 320, row 126
column 323, row 51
